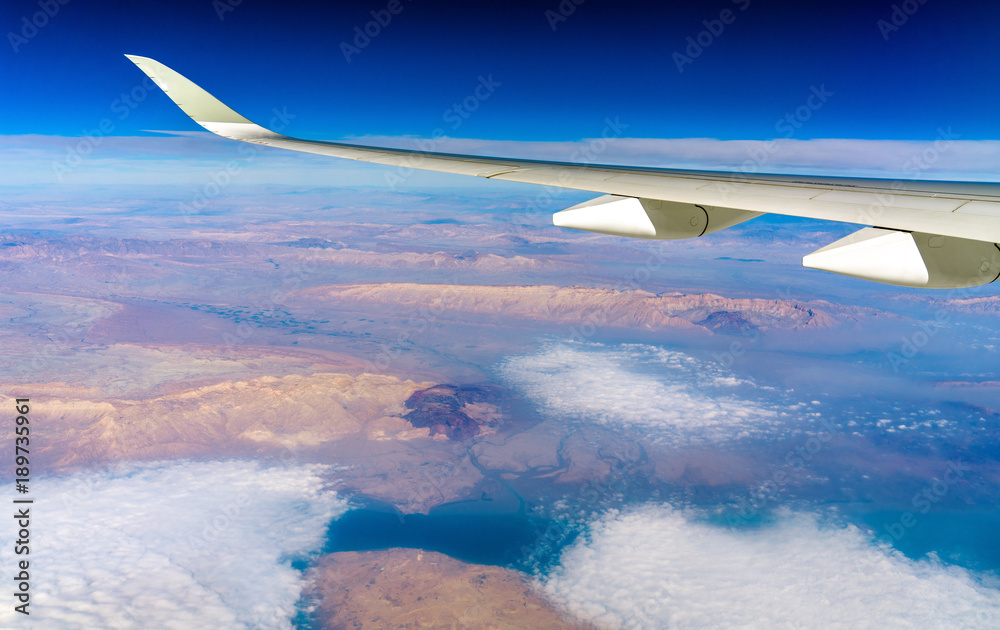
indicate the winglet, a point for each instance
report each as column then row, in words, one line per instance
column 202, row 107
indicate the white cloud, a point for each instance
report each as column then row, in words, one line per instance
column 196, row 156
column 643, row 387
column 171, row 545
column 193, row 160
column 655, row 567
column 936, row 158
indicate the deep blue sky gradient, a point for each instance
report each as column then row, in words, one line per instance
column 607, row 59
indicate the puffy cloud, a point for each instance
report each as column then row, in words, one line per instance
column 171, row 545
column 644, row 387
column 656, row 567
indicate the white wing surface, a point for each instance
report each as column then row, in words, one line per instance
column 918, row 234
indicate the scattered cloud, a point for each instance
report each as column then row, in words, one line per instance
column 657, row 567
column 172, row 545
column 639, row 386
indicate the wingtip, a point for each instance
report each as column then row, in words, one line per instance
column 204, row 108
column 141, row 61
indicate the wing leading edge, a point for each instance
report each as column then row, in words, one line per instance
column 930, row 234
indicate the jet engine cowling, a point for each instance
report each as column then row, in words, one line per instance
column 910, row 259
column 648, row 218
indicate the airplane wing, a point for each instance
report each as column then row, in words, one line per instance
column 917, row 234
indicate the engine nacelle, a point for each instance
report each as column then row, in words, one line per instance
column 648, row 218
column 910, row 259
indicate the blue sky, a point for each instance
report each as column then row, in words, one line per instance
column 605, row 59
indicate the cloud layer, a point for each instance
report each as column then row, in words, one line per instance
column 172, row 545
column 946, row 157
column 656, row 567
column 197, row 156
column 638, row 386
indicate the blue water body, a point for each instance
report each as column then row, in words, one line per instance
column 969, row 539
column 494, row 532
column 511, row 540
